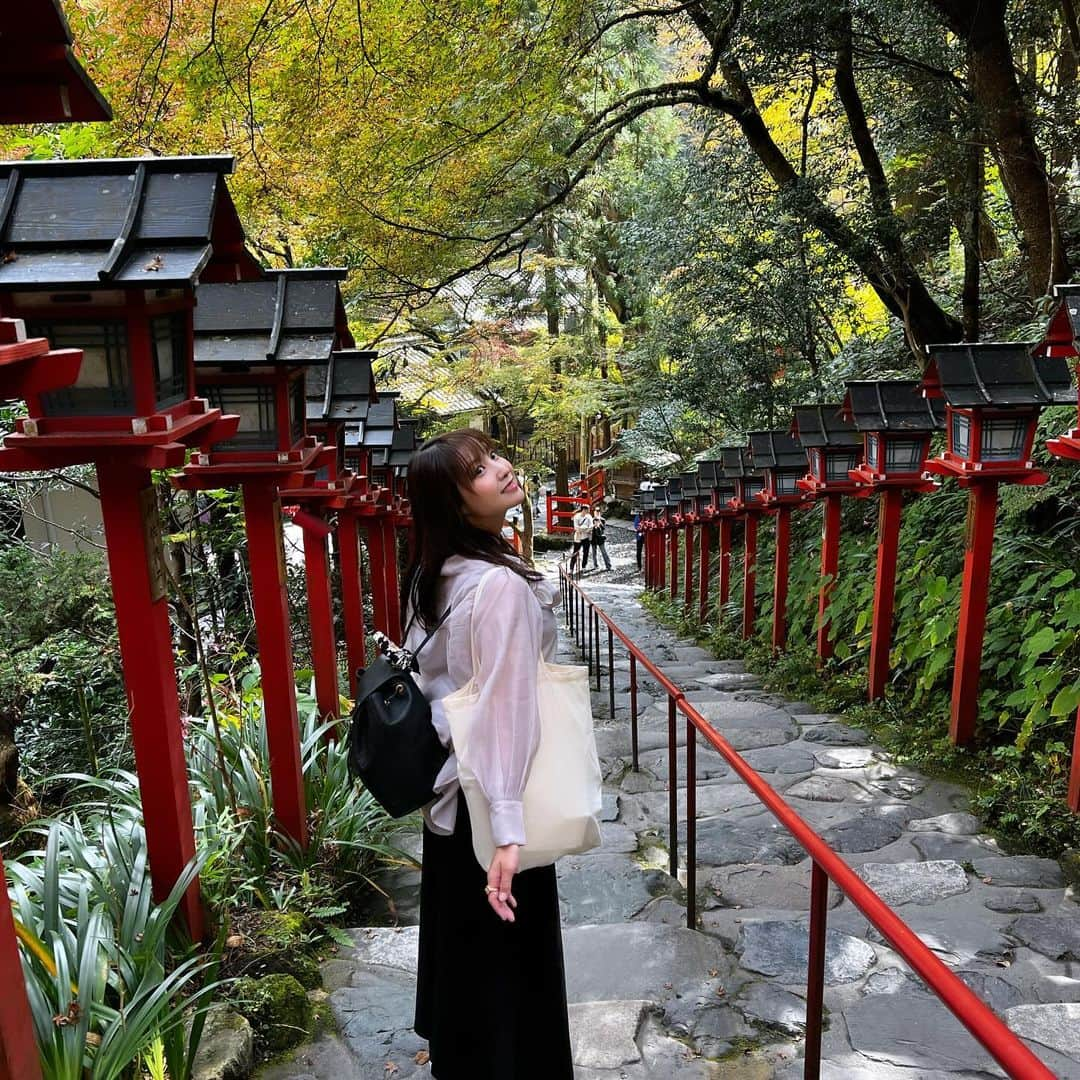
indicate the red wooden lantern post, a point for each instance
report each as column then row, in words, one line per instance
column 664, row 520
column 87, row 268
column 1062, row 341
column 688, row 510
column 373, row 434
column 993, row 395
column 746, row 504
column 721, row 491
column 338, row 397
column 40, row 82
column 252, row 343
column 651, row 522
column 896, row 425
column 832, row 448
column 27, row 367
column 782, row 462
column 704, row 509
column 674, row 517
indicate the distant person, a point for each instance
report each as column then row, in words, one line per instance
column 583, row 525
column 599, row 528
column 639, row 533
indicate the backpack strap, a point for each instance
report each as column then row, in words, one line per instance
column 431, row 633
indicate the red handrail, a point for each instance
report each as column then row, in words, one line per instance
column 1008, row 1050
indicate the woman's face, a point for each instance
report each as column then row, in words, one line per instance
column 494, row 490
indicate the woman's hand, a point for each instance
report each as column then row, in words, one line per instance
column 500, row 878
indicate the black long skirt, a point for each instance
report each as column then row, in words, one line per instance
column 490, row 995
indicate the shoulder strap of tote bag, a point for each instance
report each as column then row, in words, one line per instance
column 472, row 619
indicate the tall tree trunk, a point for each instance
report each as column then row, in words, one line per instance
column 562, row 472
column 551, row 281
column 970, row 233
column 1006, row 118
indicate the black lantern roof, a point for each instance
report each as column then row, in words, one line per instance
column 891, row 405
column 41, row 82
column 404, row 443
column 342, row 390
column 660, row 496
column 736, row 462
column 996, row 373
column 674, row 490
column 776, row 450
column 377, row 429
column 646, row 499
column 290, row 317
column 150, row 222
column 823, row 425
column 711, row 475
column 690, row 488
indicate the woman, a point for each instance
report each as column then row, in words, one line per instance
column 583, row 525
column 491, row 993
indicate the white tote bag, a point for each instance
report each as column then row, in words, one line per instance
column 561, row 802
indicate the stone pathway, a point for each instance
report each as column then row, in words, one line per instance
column 651, row 999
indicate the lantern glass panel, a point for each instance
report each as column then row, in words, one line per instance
column 785, row 483
column 960, row 435
column 255, row 407
column 751, row 488
column 818, row 464
column 104, row 384
column 1003, row 438
column 873, row 447
column 903, row 455
column 169, row 336
column 838, row 465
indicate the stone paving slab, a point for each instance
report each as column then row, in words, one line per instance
column 651, row 999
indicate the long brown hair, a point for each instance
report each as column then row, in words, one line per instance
column 437, row 472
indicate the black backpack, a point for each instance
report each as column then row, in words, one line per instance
column 393, row 746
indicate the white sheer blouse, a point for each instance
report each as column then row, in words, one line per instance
column 514, row 625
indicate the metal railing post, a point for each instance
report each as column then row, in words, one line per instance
column 633, row 713
column 691, row 824
column 815, row 971
column 611, row 671
column 596, row 652
column 673, row 789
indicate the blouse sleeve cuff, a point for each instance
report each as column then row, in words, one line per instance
column 507, row 822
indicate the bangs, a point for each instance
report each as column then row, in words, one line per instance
column 470, row 447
